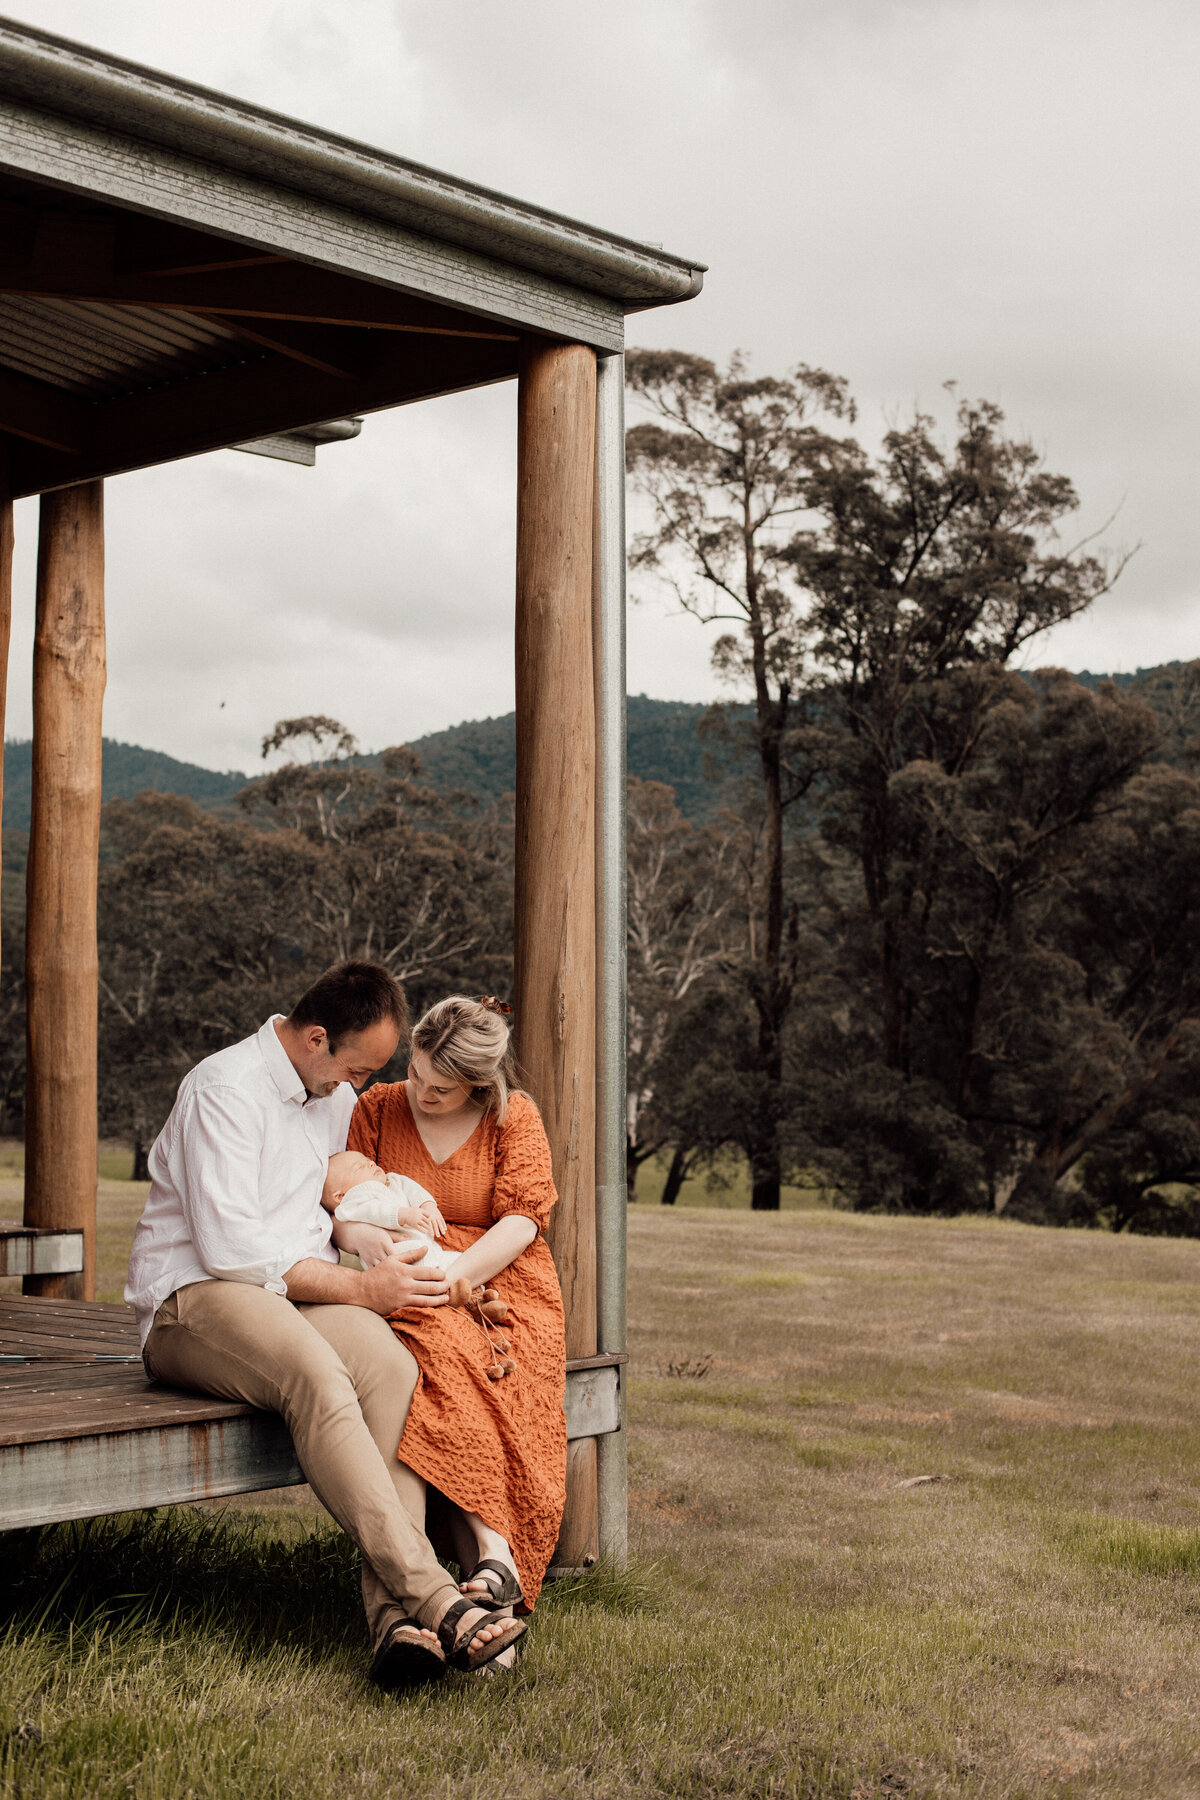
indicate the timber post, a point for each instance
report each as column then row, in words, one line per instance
column 554, row 901
column 61, row 962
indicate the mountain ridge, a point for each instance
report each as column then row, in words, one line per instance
column 479, row 755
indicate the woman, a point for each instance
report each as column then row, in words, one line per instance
column 494, row 1448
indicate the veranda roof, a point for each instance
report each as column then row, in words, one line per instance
column 180, row 271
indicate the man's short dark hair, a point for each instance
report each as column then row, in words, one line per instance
column 351, row 997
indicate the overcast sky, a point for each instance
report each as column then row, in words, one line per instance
column 997, row 192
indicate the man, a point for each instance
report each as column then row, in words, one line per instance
column 239, row 1292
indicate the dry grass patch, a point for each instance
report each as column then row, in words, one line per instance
column 915, row 1510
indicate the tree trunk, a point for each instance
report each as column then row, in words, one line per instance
column 766, row 1180
column 141, row 1161
column 771, row 990
column 676, row 1176
column 766, row 1159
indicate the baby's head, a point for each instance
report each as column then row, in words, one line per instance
column 345, row 1171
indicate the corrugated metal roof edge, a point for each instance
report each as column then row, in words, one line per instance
column 71, row 78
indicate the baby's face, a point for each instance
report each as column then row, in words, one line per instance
column 346, row 1170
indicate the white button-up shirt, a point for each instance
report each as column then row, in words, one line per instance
column 236, row 1176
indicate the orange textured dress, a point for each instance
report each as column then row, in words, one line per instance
column 496, row 1448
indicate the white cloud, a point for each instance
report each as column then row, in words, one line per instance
column 998, row 191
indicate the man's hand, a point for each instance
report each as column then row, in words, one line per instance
column 398, row 1281
column 395, row 1282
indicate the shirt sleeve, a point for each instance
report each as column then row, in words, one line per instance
column 524, row 1175
column 220, row 1147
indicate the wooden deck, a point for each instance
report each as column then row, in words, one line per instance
column 83, row 1431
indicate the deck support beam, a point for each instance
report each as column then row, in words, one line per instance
column 61, row 963
column 554, row 904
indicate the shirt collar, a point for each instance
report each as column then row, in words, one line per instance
column 279, row 1064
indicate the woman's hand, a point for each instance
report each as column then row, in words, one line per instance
column 370, row 1243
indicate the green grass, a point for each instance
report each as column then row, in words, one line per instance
column 915, row 1511
column 1132, row 1545
column 115, row 1159
column 727, row 1187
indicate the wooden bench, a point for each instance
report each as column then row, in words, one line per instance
column 28, row 1250
column 82, row 1430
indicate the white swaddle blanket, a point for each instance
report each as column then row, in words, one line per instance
column 378, row 1203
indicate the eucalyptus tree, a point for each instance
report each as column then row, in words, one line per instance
column 917, row 564
column 871, row 594
column 725, row 462
column 682, row 936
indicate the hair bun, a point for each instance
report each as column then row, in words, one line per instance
column 490, row 1004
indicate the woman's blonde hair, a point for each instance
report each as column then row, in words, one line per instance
column 469, row 1041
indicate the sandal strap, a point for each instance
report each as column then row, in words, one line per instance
column 447, row 1635
column 505, row 1589
column 457, row 1644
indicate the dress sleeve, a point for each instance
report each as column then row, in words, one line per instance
column 524, row 1177
column 367, row 1122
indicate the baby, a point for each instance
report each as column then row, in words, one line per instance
column 357, row 1191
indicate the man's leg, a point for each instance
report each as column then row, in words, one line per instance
column 384, row 1373
column 243, row 1343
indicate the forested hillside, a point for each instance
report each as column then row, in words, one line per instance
column 664, row 743
column 128, row 770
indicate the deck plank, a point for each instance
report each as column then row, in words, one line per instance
column 84, row 1431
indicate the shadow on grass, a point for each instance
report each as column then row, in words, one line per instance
column 230, row 1573
column 227, row 1573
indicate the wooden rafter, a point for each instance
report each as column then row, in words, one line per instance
column 342, row 351
column 232, row 405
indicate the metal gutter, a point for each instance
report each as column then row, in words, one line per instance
column 66, row 78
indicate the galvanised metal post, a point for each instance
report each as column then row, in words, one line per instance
column 609, row 641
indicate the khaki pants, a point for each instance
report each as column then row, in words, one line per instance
column 342, row 1381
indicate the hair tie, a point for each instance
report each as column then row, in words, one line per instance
column 490, row 1004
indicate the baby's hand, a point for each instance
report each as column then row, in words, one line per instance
column 369, row 1243
column 431, row 1219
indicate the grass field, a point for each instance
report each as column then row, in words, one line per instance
column 730, row 1188
column 915, row 1512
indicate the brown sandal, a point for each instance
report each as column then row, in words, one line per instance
column 503, row 1587
column 455, row 1637
column 405, row 1659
